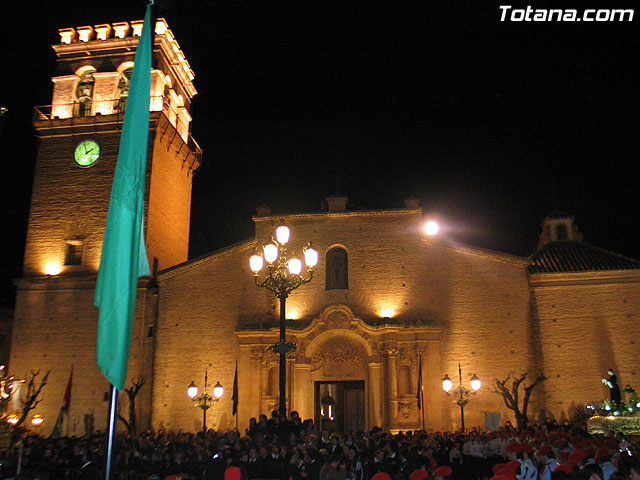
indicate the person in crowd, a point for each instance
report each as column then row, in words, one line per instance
column 288, row 453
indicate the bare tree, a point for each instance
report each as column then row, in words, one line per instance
column 510, row 395
column 132, row 392
column 31, row 400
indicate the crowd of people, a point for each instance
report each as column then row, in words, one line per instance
column 290, row 449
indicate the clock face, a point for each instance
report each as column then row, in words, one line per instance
column 87, row 153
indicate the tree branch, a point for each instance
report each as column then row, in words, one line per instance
column 528, row 390
column 31, row 400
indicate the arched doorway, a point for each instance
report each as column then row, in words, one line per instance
column 339, row 376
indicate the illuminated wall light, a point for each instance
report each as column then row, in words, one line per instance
column 67, row 35
column 161, row 26
column 84, row 33
column 103, row 31
column 387, row 313
column 121, row 29
column 37, row 420
column 293, row 314
column 137, row 27
column 52, row 268
column 431, row 228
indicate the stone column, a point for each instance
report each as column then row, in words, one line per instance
column 255, row 384
column 392, row 387
column 375, row 397
column 302, row 397
column 434, row 397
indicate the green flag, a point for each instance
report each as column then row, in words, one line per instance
column 124, row 258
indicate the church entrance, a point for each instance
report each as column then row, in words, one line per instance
column 340, row 406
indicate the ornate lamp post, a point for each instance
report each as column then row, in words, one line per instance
column 204, row 401
column 461, row 393
column 281, row 275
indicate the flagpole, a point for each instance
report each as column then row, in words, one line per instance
column 112, row 426
column 124, row 258
column 235, row 396
column 67, row 399
column 422, row 400
column 421, row 394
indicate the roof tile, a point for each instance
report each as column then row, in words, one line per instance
column 570, row 256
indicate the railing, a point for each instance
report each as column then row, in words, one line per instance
column 117, row 106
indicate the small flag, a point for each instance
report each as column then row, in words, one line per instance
column 57, row 428
column 419, row 395
column 124, row 258
column 67, row 393
column 235, row 391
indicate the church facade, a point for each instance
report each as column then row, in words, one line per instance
column 386, row 301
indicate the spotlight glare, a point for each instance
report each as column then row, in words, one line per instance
column 431, row 228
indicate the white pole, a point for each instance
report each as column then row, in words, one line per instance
column 112, row 427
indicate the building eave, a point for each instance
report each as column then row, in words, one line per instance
column 493, row 255
column 190, row 264
column 584, row 278
column 348, row 213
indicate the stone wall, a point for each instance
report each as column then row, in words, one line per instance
column 480, row 298
column 55, row 329
column 169, row 206
column 589, row 324
column 199, row 308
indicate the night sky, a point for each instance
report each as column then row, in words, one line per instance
column 491, row 124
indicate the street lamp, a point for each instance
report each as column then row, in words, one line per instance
column 461, row 393
column 204, row 401
column 282, row 274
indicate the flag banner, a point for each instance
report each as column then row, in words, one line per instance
column 67, row 393
column 57, row 428
column 235, row 391
column 124, row 257
column 419, row 395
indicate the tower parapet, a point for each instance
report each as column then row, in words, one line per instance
column 94, row 72
column 79, row 141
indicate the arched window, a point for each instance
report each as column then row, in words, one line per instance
column 272, row 382
column 337, row 274
column 84, row 92
column 404, row 380
column 561, row 232
column 123, row 88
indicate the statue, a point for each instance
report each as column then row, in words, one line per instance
column 614, row 388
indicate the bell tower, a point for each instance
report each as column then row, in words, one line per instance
column 79, row 133
column 79, row 138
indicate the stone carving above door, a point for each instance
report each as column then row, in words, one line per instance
column 338, row 358
column 337, row 319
